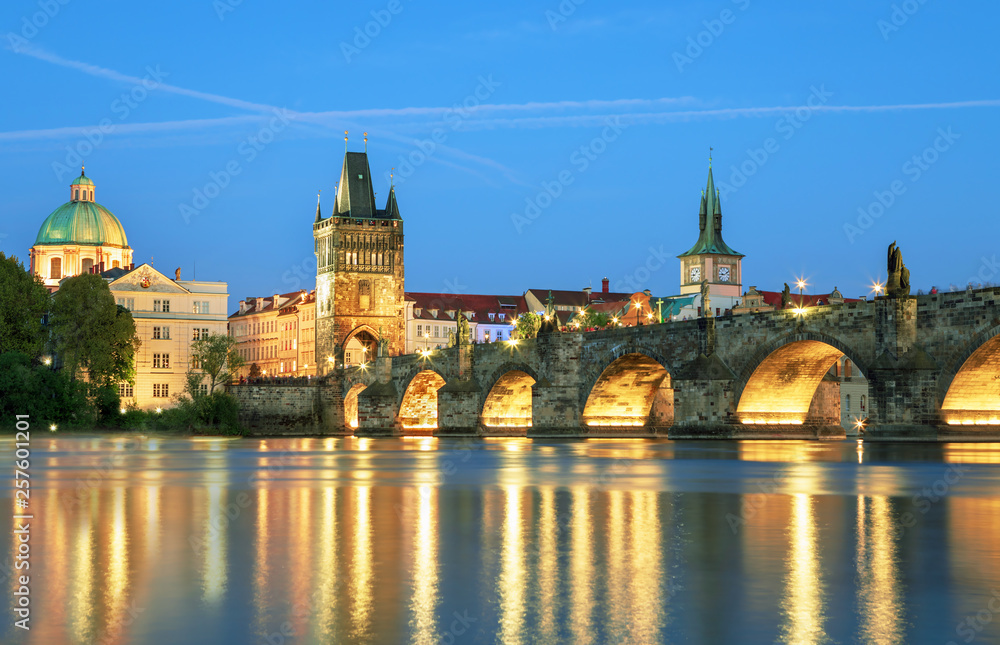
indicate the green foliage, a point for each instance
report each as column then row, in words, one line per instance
column 48, row 396
column 527, row 325
column 24, row 300
column 90, row 332
column 591, row 320
column 217, row 357
column 254, row 370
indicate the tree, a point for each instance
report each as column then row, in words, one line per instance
column 217, row 357
column 93, row 334
column 24, row 300
column 527, row 325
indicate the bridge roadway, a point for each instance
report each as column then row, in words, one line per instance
column 932, row 363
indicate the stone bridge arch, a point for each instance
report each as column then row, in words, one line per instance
column 969, row 388
column 779, row 382
column 506, row 398
column 628, row 385
column 417, row 407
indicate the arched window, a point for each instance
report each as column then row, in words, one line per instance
column 114, row 265
column 55, row 268
column 847, row 399
column 86, row 265
column 76, row 194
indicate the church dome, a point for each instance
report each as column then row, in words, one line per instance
column 82, row 223
column 82, row 220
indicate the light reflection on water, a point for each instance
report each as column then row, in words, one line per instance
column 428, row 540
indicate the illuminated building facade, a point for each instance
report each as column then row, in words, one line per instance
column 277, row 334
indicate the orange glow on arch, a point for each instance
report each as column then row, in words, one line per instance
column 973, row 398
column 351, row 405
column 509, row 401
column 783, row 385
column 419, row 409
column 633, row 391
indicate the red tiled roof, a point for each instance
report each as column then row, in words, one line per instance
column 577, row 298
column 809, row 300
column 480, row 305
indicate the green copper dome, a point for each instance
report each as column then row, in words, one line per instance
column 82, row 180
column 82, row 222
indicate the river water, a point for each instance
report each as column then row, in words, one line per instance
column 423, row 540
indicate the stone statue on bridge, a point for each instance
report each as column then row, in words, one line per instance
column 451, row 338
column 464, row 336
column 383, row 344
column 786, row 297
column 898, row 282
column 706, row 301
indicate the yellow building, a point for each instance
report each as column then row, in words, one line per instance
column 78, row 237
column 168, row 315
column 277, row 334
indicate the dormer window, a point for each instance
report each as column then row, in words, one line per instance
column 491, row 316
column 416, row 311
column 502, row 316
column 433, row 313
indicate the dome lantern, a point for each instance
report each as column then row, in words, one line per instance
column 82, row 189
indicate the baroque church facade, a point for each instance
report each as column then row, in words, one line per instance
column 359, row 272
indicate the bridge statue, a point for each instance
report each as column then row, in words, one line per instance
column 383, row 344
column 706, row 302
column 898, row 282
column 451, row 338
column 786, row 297
column 464, row 337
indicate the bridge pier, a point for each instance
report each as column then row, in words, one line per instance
column 458, row 408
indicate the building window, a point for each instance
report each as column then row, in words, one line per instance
column 126, row 390
column 194, row 333
column 156, row 333
column 115, row 264
column 847, row 404
column 161, row 361
column 157, row 305
column 195, row 363
column 203, row 389
column 502, row 316
column 86, row 265
column 166, row 306
column 55, row 268
column 128, row 303
column 204, row 333
column 491, row 316
column 500, row 334
column 161, row 390
column 76, row 194
column 486, row 335
column 863, row 397
column 420, row 331
column 437, row 331
column 201, row 307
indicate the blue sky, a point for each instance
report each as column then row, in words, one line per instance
column 583, row 153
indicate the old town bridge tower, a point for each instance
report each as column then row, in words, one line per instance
column 359, row 272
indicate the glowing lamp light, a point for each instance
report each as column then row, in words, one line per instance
column 512, row 342
column 329, row 359
column 801, row 284
column 122, row 410
column 159, row 410
column 53, row 427
column 47, row 360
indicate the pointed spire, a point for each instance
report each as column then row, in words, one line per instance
column 345, row 140
column 391, row 207
column 319, row 213
column 710, row 237
column 366, row 143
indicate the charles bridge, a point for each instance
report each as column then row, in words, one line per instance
column 932, row 364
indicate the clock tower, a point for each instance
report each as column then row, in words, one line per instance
column 711, row 258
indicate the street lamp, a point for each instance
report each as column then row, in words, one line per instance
column 877, row 288
column 801, row 284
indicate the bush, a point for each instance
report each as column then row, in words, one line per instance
column 47, row 395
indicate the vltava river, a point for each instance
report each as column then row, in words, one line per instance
column 207, row 541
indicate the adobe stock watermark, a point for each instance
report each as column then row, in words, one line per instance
column 899, row 16
column 970, row 627
column 714, row 28
column 988, row 269
column 562, row 13
column 32, row 25
column 928, row 496
column 122, row 108
column 454, row 116
column 750, row 504
column 580, row 159
column 248, row 149
column 913, row 169
column 222, row 7
column 655, row 261
column 363, row 36
column 787, row 126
